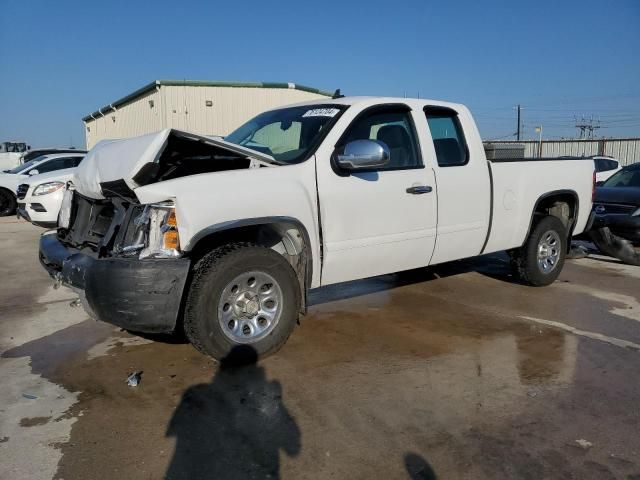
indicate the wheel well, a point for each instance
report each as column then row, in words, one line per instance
column 287, row 237
column 562, row 205
column 7, row 190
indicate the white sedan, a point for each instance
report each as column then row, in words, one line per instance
column 605, row 167
column 10, row 179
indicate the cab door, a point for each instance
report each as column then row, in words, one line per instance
column 464, row 183
column 382, row 220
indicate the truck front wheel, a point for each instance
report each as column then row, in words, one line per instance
column 241, row 295
column 540, row 260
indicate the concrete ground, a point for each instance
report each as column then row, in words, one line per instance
column 453, row 372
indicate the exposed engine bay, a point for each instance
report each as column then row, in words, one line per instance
column 106, row 218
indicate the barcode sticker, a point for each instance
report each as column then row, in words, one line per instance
column 321, row 112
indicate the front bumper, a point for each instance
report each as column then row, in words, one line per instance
column 621, row 225
column 41, row 219
column 138, row 295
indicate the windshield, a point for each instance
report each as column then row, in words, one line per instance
column 624, row 178
column 288, row 134
column 27, row 165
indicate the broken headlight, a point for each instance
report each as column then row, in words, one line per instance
column 155, row 233
column 64, row 217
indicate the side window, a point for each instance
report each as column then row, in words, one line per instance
column 72, row 162
column 612, row 164
column 448, row 138
column 600, row 165
column 395, row 129
column 51, row 165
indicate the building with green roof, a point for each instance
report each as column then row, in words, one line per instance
column 204, row 107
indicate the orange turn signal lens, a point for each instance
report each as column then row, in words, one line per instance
column 171, row 219
column 171, row 240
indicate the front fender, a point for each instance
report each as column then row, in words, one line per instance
column 212, row 200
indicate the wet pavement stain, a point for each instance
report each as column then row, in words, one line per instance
column 427, row 374
column 33, row 421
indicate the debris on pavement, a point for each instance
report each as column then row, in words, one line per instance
column 75, row 303
column 30, row 396
column 585, row 444
column 134, row 379
column 577, row 251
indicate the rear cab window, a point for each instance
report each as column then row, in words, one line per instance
column 448, row 137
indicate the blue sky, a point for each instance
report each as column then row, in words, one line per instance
column 62, row 60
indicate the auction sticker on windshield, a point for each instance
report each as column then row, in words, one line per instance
column 321, row 112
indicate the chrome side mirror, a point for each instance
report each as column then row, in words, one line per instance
column 364, row 154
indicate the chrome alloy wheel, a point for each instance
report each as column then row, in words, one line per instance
column 549, row 251
column 250, row 307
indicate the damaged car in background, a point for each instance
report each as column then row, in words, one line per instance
column 616, row 227
column 223, row 238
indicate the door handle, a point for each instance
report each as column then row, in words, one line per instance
column 419, row 189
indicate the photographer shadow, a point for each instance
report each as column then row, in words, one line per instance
column 233, row 427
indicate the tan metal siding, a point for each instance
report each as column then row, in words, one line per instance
column 187, row 108
column 136, row 118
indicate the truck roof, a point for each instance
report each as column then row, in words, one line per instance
column 372, row 100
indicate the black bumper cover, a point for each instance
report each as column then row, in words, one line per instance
column 138, row 295
column 625, row 226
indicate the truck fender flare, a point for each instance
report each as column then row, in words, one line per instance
column 554, row 193
column 257, row 221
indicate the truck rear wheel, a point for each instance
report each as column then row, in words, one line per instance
column 540, row 260
column 7, row 203
column 241, row 295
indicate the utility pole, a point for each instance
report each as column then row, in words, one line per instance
column 518, row 128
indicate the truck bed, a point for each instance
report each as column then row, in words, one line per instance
column 517, row 185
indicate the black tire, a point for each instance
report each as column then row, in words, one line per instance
column 212, row 274
column 526, row 258
column 615, row 246
column 7, row 203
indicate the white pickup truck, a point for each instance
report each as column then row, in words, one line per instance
column 223, row 238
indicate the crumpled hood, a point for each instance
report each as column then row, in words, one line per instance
column 123, row 159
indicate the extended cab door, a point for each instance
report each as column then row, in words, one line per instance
column 377, row 222
column 464, row 184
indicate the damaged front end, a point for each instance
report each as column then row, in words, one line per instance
column 124, row 258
